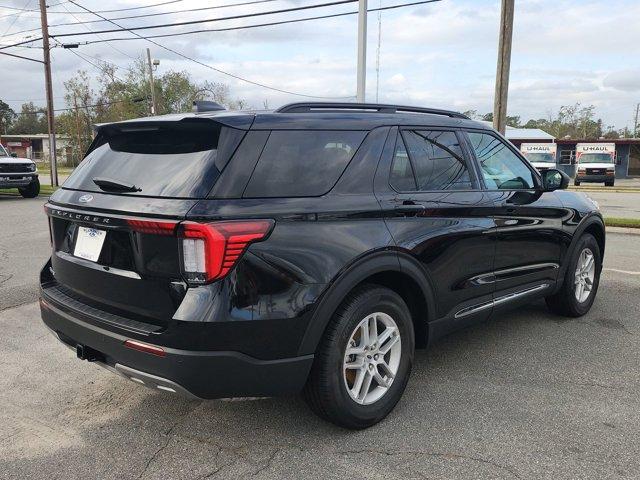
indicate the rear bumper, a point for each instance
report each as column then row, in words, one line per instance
column 200, row 374
column 16, row 180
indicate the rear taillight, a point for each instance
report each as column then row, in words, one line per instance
column 153, row 227
column 210, row 250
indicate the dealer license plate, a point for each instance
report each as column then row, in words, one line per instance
column 89, row 243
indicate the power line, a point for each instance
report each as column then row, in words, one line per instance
column 21, row 57
column 3, row 47
column 112, row 46
column 207, row 20
column 209, row 66
column 15, row 19
column 260, row 25
column 268, row 24
column 104, row 104
column 24, row 9
column 150, row 15
column 200, row 9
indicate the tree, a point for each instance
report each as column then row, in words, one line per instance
column 120, row 98
column 77, row 123
column 30, row 120
column 7, row 116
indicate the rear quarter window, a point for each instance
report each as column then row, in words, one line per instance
column 302, row 163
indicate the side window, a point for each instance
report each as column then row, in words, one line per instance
column 302, row 163
column 401, row 177
column 437, row 160
column 501, row 168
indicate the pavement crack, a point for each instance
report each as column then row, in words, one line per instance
column 170, row 433
column 268, row 463
column 447, row 455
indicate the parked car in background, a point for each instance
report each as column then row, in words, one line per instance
column 540, row 155
column 311, row 248
column 596, row 163
column 20, row 173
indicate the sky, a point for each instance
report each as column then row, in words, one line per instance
column 439, row 55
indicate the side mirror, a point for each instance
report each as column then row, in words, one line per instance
column 14, row 154
column 554, row 179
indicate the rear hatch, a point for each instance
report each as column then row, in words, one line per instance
column 114, row 221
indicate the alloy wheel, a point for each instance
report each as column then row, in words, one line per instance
column 585, row 275
column 372, row 358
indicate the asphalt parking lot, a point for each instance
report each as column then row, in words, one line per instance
column 527, row 396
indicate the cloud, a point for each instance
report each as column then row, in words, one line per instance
column 441, row 55
column 625, row 80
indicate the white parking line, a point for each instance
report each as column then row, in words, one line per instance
column 621, row 271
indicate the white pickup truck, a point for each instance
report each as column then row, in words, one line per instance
column 541, row 155
column 596, row 163
column 20, row 173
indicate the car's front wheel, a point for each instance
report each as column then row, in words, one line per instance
column 363, row 363
column 32, row 190
column 581, row 281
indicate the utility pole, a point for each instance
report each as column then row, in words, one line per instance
column 504, row 65
column 362, row 51
column 53, row 162
column 154, row 107
column 635, row 123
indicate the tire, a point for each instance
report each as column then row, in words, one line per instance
column 609, row 184
column 565, row 302
column 576, row 183
column 32, row 190
column 327, row 389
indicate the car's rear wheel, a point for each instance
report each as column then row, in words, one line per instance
column 364, row 360
column 32, row 190
column 581, row 280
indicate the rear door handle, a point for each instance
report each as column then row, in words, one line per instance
column 509, row 207
column 409, row 206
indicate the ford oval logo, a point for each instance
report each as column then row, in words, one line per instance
column 85, row 198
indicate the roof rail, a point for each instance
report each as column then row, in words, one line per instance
column 200, row 106
column 306, row 107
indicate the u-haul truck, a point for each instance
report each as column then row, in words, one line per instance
column 596, row 162
column 540, row 155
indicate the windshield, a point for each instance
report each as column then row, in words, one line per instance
column 3, row 152
column 595, row 158
column 176, row 161
column 541, row 157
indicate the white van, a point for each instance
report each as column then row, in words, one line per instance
column 540, row 155
column 595, row 163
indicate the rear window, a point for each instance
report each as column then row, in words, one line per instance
column 174, row 160
column 302, row 163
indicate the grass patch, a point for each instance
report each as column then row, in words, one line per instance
column 43, row 169
column 45, row 191
column 622, row 222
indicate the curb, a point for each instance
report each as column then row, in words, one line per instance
column 623, row 230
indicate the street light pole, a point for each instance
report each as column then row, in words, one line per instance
column 362, row 51
column 504, row 65
column 53, row 163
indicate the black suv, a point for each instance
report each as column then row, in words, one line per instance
column 312, row 248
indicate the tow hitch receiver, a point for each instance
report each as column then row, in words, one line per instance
column 87, row 353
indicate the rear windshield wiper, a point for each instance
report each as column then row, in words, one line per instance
column 111, row 185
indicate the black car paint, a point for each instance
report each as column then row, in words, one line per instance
column 459, row 249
